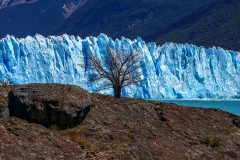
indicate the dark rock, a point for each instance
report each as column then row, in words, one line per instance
column 159, row 111
column 4, row 113
column 51, row 105
column 236, row 121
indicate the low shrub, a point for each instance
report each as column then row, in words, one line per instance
column 213, row 142
column 93, row 105
column 2, row 106
column 229, row 131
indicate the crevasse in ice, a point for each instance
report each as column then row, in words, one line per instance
column 171, row 70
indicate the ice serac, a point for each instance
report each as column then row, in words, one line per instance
column 171, row 70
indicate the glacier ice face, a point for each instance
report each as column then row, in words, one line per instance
column 171, row 70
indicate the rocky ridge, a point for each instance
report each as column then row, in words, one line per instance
column 68, row 8
column 128, row 128
column 9, row 3
column 72, row 7
column 139, row 129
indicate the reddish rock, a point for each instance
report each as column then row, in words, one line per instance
column 128, row 129
column 23, row 141
column 136, row 129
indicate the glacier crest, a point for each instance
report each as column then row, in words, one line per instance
column 171, row 71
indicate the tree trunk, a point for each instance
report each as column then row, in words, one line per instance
column 117, row 91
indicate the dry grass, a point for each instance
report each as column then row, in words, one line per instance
column 229, row 131
column 76, row 136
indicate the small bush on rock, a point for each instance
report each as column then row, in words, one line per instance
column 213, row 142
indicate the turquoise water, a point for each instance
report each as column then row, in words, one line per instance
column 232, row 106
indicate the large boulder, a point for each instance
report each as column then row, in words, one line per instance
column 59, row 105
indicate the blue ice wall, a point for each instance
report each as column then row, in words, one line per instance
column 171, row 70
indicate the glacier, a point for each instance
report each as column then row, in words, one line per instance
column 172, row 71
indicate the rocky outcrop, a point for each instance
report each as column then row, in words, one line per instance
column 72, row 7
column 21, row 140
column 51, row 105
column 123, row 128
column 138, row 129
column 9, row 3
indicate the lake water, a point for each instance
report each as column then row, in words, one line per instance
column 232, row 106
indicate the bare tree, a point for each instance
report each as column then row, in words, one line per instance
column 119, row 68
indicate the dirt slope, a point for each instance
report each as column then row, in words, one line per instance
column 127, row 129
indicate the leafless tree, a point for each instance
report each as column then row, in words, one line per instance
column 119, row 68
